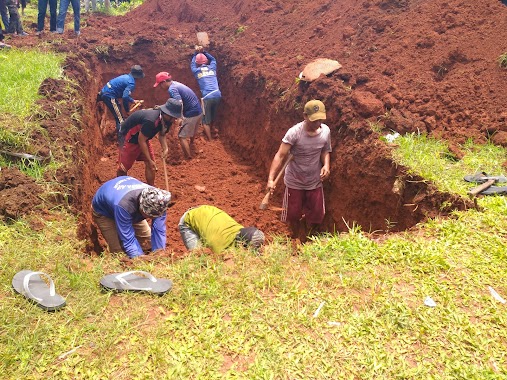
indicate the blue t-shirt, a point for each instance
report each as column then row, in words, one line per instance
column 121, row 87
column 191, row 103
column 206, row 76
column 118, row 199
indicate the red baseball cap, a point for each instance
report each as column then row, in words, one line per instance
column 162, row 77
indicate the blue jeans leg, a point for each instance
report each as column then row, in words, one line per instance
column 42, row 6
column 77, row 15
column 62, row 13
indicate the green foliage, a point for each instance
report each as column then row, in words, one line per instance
column 118, row 8
column 240, row 29
column 21, row 74
column 502, row 60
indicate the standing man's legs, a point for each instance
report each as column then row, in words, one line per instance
column 299, row 203
column 210, row 112
column 4, row 14
column 42, row 5
column 187, row 132
column 115, row 111
column 77, row 15
column 52, row 15
column 62, row 13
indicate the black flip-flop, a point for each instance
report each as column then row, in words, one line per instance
column 31, row 285
column 482, row 177
column 130, row 282
column 495, row 190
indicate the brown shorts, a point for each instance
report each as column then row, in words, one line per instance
column 309, row 203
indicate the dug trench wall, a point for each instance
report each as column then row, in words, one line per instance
column 366, row 187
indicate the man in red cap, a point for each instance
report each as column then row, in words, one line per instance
column 309, row 142
column 192, row 111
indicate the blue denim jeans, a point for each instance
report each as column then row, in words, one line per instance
column 62, row 13
column 5, row 14
column 42, row 8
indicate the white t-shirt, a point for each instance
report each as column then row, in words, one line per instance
column 303, row 172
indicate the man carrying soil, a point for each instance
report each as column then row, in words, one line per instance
column 309, row 142
column 120, row 209
column 204, row 68
column 136, row 133
column 120, row 87
column 209, row 226
column 192, row 111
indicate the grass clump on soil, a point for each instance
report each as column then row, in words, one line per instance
column 21, row 74
column 430, row 158
column 502, row 60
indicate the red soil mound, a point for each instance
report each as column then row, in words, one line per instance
column 408, row 66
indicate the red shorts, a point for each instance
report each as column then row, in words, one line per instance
column 131, row 153
column 309, row 203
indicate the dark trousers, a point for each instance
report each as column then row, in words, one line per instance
column 4, row 14
column 109, row 104
column 14, row 19
column 42, row 8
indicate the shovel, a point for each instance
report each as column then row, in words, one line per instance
column 203, row 39
column 265, row 201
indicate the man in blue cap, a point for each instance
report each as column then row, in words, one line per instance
column 120, row 208
column 120, row 88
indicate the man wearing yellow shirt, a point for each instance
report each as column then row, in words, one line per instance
column 211, row 227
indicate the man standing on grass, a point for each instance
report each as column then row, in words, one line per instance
column 136, row 133
column 120, row 209
column 309, row 142
column 120, row 87
column 204, row 68
column 192, row 111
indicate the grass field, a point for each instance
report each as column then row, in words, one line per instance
column 346, row 306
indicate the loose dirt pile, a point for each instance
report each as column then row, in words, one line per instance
column 408, row 66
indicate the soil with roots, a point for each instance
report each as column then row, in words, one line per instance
column 407, row 66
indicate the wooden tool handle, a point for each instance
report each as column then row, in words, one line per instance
column 481, row 188
column 265, row 200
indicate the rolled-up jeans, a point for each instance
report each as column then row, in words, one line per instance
column 108, row 229
column 190, row 238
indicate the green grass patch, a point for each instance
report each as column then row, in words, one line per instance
column 21, row 74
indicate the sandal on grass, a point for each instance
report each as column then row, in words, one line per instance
column 131, row 282
column 31, row 285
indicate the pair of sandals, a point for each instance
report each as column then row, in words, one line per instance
column 39, row 288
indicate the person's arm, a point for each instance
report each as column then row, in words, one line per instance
column 126, row 233
column 325, row 170
column 158, row 233
column 277, row 163
column 163, row 144
column 127, row 98
column 193, row 65
column 143, row 144
column 212, row 61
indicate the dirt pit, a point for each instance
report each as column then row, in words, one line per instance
column 408, row 66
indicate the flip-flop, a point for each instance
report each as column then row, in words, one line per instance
column 129, row 281
column 495, row 190
column 31, row 285
column 482, row 177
